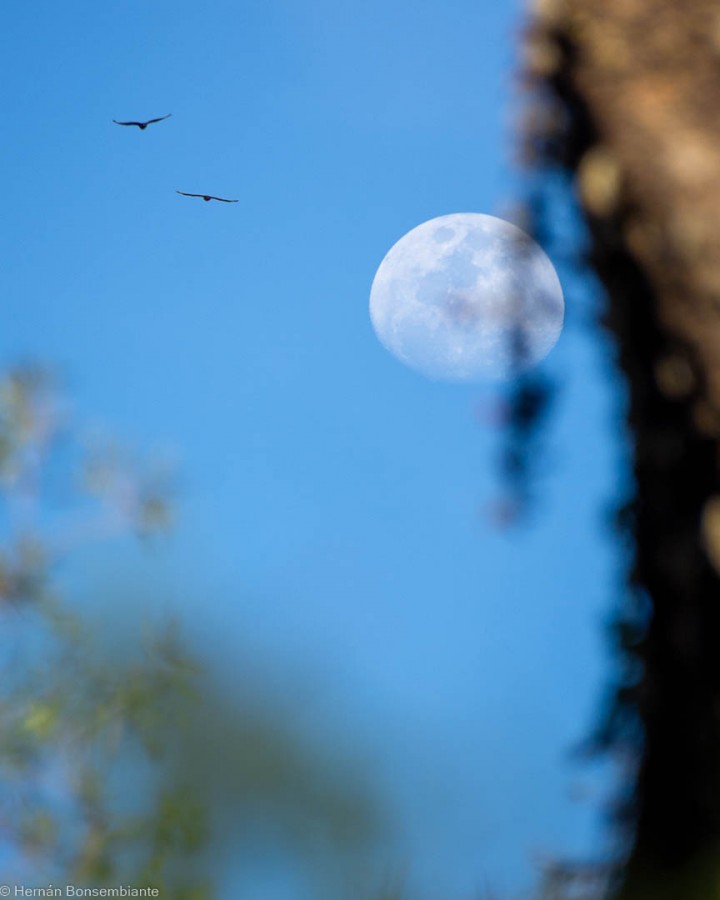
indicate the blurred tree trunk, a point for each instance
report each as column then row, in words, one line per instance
column 634, row 115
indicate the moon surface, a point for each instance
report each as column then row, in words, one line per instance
column 467, row 297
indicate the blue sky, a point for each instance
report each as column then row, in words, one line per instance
column 332, row 499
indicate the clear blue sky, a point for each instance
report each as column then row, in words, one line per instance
column 331, row 496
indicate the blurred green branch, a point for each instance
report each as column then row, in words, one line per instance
column 136, row 767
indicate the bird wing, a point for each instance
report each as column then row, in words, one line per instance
column 189, row 195
column 160, row 119
column 222, row 199
column 126, row 123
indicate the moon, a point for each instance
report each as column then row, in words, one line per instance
column 467, row 297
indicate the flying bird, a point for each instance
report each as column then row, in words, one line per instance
column 206, row 197
column 143, row 125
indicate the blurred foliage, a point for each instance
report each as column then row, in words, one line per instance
column 529, row 400
column 134, row 766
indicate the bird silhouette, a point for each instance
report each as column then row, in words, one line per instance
column 206, row 197
column 143, row 125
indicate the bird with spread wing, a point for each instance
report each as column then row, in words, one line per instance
column 206, row 197
column 143, row 125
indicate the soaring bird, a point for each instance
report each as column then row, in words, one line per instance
column 206, row 197
column 143, row 125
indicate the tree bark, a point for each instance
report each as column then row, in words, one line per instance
column 634, row 115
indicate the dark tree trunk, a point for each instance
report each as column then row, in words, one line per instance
column 634, row 89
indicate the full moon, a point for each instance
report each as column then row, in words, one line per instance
column 467, row 297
